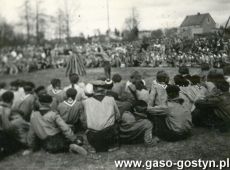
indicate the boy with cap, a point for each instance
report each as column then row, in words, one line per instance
column 50, row 131
column 101, row 114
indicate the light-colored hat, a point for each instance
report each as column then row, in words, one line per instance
column 89, row 89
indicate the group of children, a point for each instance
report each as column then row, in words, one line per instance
column 111, row 112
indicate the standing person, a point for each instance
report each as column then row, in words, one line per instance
column 75, row 65
column 106, row 62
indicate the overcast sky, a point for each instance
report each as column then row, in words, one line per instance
column 153, row 14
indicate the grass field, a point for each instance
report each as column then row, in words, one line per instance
column 204, row 144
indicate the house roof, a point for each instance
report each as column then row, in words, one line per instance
column 192, row 20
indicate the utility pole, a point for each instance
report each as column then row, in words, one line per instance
column 108, row 22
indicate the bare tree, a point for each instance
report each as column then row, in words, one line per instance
column 133, row 20
column 26, row 17
column 70, row 15
column 40, row 21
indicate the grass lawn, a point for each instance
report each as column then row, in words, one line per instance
column 204, row 144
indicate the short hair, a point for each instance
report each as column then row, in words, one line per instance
column 139, row 85
column 56, row 83
column 195, row 79
column 45, row 98
column 39, row 88
column 14, row 83
column 162, row 77
column 73, row 78
column 183, row 70
column 71, row 93
column 116, row 78
column 226, row 70
column 28, row 86
column 7, row 96
column 180, row 81
column 2, row 85
column 172, row 91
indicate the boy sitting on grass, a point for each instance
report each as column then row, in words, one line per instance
column 173, row 122
column 135, row 127
column 49, row 131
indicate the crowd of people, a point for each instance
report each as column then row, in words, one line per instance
column 111, row 112
column 147, row 53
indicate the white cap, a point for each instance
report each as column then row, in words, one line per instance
column 89, row 89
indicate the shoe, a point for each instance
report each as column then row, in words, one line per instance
column 77, row 149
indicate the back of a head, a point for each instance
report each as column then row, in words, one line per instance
column 71, row 93
column 172, row 91
column 45, row 99
column 7, row 97
column 139, row 85
column 28, row 87
column 195, row 79
column 116, row 78
column 179, row 80
column 73, row 78
column 55, row 83
column 40, row 90
column 162, row 77
column 183, row 70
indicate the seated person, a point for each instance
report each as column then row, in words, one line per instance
column 101, row 114
column 74, row 83
column 49, row 131
column 57, row 93
column 158, row 95
column 185, row 91
column 26, row 103
column 214, row 110
column 135, row 127
column 17, row 88
column 141, row 91
column 70, row 110
column 118, row 85
column 122, row 105
column 173, row 122
column 13, row 128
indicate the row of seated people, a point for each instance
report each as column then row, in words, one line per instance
column 111, row 112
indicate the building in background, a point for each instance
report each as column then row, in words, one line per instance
column 197, row 24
